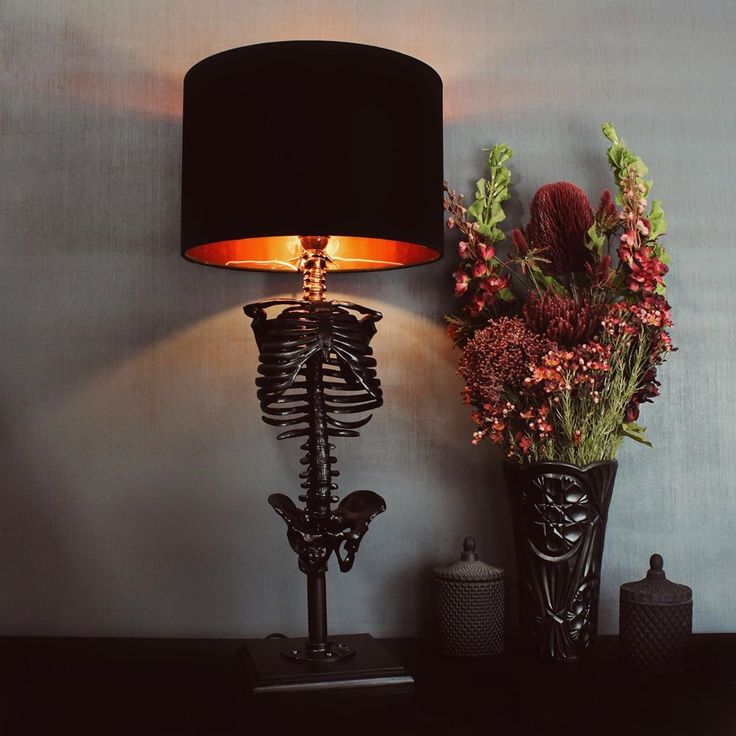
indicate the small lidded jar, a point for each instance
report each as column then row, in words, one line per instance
column 655, row 622
column 468, row 606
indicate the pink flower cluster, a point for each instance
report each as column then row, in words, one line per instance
column 562, row 370
column 478, row 278
column 646, row 270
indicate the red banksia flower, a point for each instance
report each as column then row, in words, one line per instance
column 560, row 217
column 562, row 319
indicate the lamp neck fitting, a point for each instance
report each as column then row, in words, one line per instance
column 313, row 264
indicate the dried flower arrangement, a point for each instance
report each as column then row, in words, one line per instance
column 560, row 344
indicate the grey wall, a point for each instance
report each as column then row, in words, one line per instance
column 134, row 466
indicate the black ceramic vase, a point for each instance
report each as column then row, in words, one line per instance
column 560, row 513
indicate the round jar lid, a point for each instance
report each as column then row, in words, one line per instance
column 469, row 568
column 655, row 588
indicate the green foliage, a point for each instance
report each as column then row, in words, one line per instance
column 661, row 253
column 657, row 223
column 550, row 283
column 635, row 432
column 491, row 193
column 624, row 162
column 600, row 422
column 621, row 158
column 596, row 240
column 609, row 132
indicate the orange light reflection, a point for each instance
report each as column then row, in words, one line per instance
column 281, row 253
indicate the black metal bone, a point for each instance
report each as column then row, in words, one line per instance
column 341, row 535
column 315, row 366
column 354, row 514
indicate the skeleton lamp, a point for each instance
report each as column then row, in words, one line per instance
column 314, row 157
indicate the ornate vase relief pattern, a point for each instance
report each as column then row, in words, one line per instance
column 560, row 514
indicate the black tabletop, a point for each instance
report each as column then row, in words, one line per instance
column 172, row 686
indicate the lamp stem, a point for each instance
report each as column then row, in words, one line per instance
column 313, row 264
column 317, row 613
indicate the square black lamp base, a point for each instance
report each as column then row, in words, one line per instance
column 371, row 666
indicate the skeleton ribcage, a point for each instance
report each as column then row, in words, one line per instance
column 316, row 367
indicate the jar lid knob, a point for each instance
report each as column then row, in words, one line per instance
column 656, row 565
column 469, row 549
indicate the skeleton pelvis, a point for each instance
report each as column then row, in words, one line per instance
column 316, row 539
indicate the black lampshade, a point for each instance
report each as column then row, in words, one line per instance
column 301, row 138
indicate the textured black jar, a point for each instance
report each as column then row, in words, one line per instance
column 468, row 606
column 655, row 622
column 560, row 512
